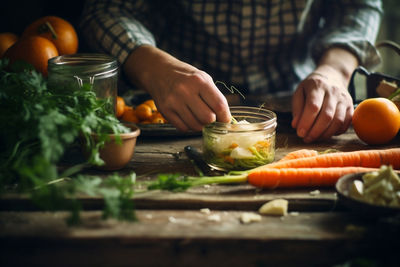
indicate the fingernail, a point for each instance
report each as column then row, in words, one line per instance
column 301, row 132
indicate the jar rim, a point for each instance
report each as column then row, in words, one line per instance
column 84, row 63
column 268, row 120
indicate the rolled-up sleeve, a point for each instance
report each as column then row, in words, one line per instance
column 353, row 25
column 112, row 27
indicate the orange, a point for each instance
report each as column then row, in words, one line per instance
column 129, row 115
column 57, row 30
column 158, row 118
column 376, row 120
column 35, row 50
column 144, row 112
column 7, row 39
column 151, row 104
column 120, row 107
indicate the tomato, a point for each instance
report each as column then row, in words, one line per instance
column 35, row 50
column 7, row 39
column 57, row 30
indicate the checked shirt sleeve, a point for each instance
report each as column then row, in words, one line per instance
column 352, row 24
column 113, row 27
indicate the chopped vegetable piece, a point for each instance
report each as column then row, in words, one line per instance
column 380, row 187
column 276, row 207
column 248, row 217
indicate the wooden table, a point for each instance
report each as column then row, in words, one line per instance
column 173, row 230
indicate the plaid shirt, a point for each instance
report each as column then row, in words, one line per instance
column 258, row 46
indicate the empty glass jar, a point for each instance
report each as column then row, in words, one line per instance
column 74, row 71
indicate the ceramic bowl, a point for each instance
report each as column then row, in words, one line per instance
column 115, row 155
column 358, row 206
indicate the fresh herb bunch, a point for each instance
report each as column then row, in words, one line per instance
column 176, row 182
column 39, row 124
column 117, row 192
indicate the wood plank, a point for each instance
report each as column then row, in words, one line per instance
column 193, row 238
column 221, row 197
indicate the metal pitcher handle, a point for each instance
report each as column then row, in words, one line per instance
column 352, row 89
column 389, row 44
column 386, row 43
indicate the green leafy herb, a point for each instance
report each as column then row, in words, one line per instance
column 177, row 182
column 171, row 182
column 39, row 124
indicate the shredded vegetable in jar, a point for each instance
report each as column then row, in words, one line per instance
column 247, row 142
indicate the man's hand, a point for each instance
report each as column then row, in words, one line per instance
column 321, row 104
column 187, row 97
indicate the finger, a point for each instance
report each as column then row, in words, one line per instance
column 297, row 105
column 336, row 122
column 175, row 120
column 202, row 111
column 216, row 103
column 312, row 107
column 181, row 117
column 195, row 113
column 190, row 120
column 347, row 121
column 323, row 120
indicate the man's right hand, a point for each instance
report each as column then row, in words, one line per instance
column 186, row 96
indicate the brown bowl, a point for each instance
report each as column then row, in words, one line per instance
column 358, row 206
column 115, row 155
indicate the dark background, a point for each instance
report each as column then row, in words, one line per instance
column 15, row 15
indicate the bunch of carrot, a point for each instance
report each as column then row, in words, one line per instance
column 300, row 168
column 308, row 168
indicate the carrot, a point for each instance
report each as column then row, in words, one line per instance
column 301, row 177
column 361, row 158
column 301, row 153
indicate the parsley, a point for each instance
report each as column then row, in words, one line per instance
column 177, row 182
column 39, row 124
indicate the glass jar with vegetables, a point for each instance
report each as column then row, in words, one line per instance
column 247, row 142
column 99, row 72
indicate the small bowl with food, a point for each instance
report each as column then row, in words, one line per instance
column 248, row 141
column 374, row 193
column 115, row 150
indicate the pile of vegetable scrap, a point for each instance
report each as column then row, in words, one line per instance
column 301, row 168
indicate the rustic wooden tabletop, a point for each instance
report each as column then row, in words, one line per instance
column 201, row 226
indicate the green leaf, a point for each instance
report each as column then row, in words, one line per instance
column 171, row 182
column 39, row 124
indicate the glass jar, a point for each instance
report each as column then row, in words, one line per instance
column 246, row 143
column 74, row 71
